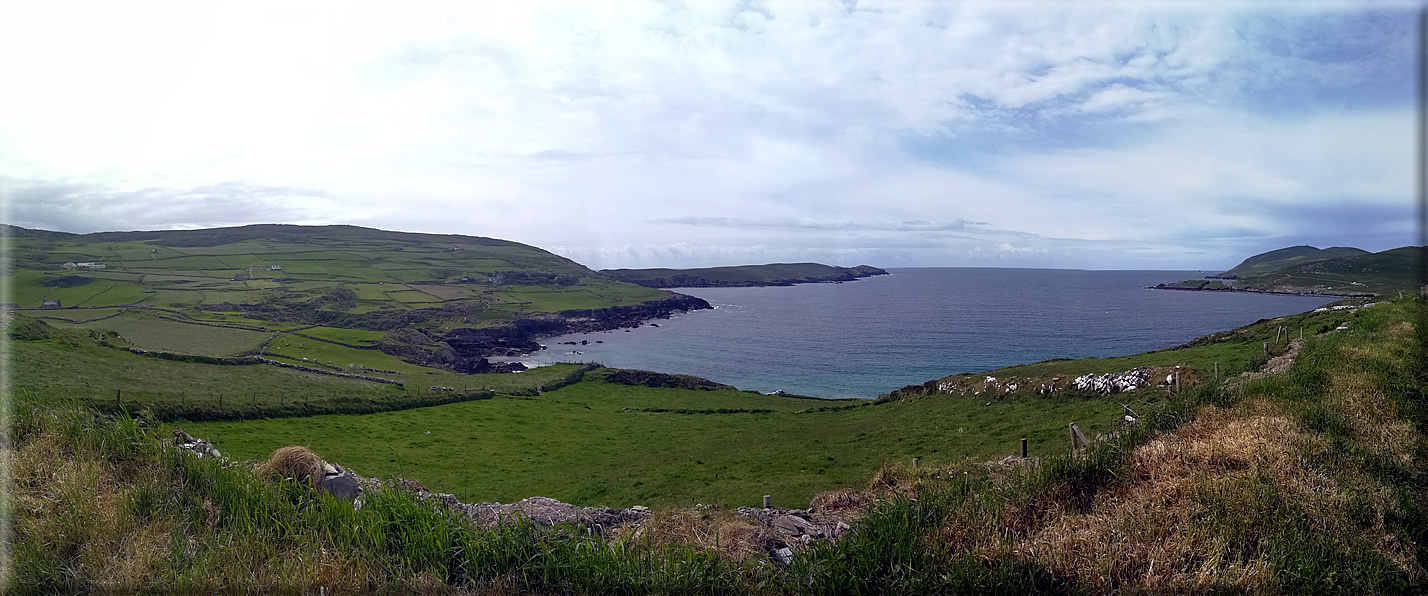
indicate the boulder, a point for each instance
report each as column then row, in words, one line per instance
column 793, row 525
column 340, row 482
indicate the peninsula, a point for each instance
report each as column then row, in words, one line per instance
column 1310, row 271
column 773, row 274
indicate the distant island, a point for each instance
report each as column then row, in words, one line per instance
column 1310, row 271
column 773, row 274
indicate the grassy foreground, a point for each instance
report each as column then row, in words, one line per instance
column 1308, row 480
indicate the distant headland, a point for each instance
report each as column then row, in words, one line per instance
column 773, row 274
column 1310, row 271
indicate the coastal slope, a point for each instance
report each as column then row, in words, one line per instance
column 773, row 274
column 443, row 300
column 1305, row 270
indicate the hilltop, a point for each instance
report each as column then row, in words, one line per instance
column 773, row 274
column 436, row 300
column 1305, row 270
column 1287, row 257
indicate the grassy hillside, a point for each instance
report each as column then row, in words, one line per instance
column 1288, row 257
column 1336, row 271
column 774, row 274
column 1309, row 480
column 1380, row 273
column 341, row 275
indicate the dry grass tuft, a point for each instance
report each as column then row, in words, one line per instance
column 296, row 462
column 1152, row 533
column 720, row 532
column 841, row 500
column 898, row 479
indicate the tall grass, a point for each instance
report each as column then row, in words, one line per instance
column 99, row 492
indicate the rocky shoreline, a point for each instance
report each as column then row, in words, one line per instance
column 519, row 337
column 1277, row 292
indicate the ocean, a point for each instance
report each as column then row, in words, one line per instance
column 864, row 338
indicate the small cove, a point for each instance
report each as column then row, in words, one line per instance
column 864, row 338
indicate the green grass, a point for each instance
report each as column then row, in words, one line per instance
column 1307, row 481
column 348, row 336
column 193, row 269
column 146, row 331
column 1231, row 350
column 104, row 508
column 505, row 449
column 73, row 364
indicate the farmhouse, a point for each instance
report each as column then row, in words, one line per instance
column 276, row 268
column 90, row 265
column 50, row 304
column 69, row 265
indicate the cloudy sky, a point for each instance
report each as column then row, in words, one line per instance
column 1147, row 135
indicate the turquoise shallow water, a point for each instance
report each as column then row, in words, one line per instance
column 864, row 338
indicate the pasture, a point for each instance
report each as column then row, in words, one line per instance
column 595, row 443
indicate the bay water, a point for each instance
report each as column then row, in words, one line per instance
column 874, row 335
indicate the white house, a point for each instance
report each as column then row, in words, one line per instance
column 90, row 265
column 69, row 265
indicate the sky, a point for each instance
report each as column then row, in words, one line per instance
column 1146, row 135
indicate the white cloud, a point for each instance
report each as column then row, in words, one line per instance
column 578, row 124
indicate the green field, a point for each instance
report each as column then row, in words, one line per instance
column 146, row 331
column 580, row 445
column 86, row 363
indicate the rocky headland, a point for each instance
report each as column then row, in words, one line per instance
column 744, row 276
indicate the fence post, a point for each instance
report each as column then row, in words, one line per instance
column 768, row 500
column 1023, row 447
column 914, row 462
column 1217, row 372
column 118, row 405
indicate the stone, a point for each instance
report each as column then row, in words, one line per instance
column 339, row 482
column 640, row 508
column 793, row 525
column 782, row 555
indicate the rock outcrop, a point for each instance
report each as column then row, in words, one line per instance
column 519, row 337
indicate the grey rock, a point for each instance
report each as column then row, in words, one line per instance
column 782, row 555
column 793, row 525
column 339, row 482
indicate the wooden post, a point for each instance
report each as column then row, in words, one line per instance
column 768, row 501
column 914, row 462
column 1071, row 429
column 1023, row 447
column 1266, row 347
column 1301, row 332
column 1077, row 437
column 1127, row 408
column 1278, row 331
column 1217, row 372
column 220, row 402
column 117, row 400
